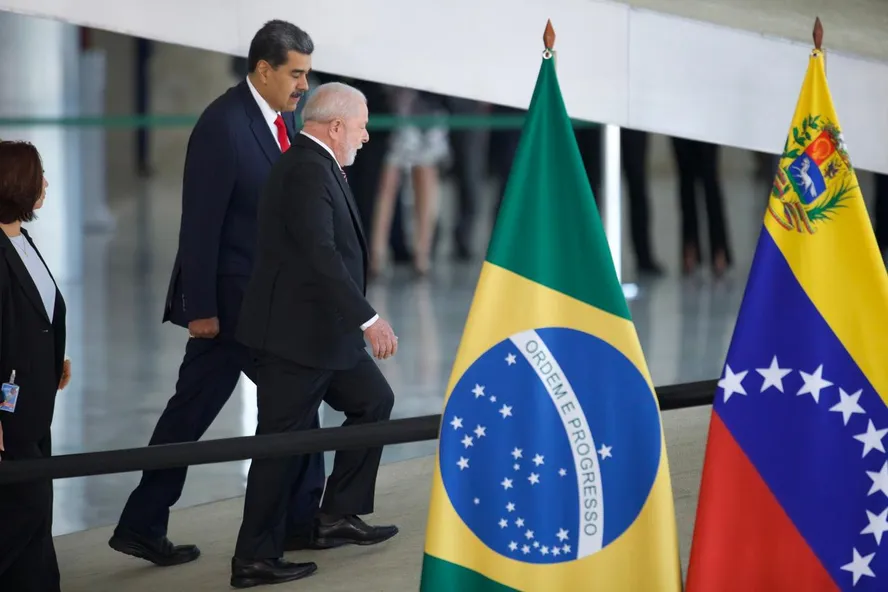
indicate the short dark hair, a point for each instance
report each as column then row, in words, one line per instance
column 21, row 181
column 274, row 41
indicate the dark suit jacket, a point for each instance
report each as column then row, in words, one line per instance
column 229, row 156
column 306, row 298
column 33, row 347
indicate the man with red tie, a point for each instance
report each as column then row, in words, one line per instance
column 232, row 148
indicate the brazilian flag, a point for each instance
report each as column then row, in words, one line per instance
column 551, row 470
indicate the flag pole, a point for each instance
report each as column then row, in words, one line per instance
column 612, row 179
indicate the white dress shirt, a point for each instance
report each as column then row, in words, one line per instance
column 38, row 271
column 269, row 114
column 375, row 318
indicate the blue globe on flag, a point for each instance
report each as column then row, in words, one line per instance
column 550, row 445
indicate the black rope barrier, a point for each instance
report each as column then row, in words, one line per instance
column 167, row 456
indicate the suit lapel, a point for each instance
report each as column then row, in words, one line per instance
column 258, row 125
column 21, row 273
column 352, row 204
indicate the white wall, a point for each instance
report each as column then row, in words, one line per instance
column 722, row 85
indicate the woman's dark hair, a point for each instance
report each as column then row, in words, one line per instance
column 21, row 181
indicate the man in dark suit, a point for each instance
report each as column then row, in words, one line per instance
column 305, row 316
column 230, row 153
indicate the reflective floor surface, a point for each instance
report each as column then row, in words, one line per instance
column 126, row 361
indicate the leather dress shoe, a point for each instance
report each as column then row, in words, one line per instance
column 159, row 551
column 351, row 530
column 246, row 573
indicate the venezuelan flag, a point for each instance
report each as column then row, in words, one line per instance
column 794, row 493
column 551, row 471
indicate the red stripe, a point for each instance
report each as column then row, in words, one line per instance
column 743, row 540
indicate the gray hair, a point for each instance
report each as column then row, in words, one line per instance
column 331, row 101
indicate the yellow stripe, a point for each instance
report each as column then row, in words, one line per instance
column 645, row 557
column 838, row 265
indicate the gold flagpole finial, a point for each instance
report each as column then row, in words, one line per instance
column 549, row 36
column 818, row 33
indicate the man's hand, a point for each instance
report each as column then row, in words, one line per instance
column 203, row 328
column 66, row 375
column 382, row 339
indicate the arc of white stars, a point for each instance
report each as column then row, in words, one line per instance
column 773, row 375
column 848, row 405
column 814, row 383
column 732, row 383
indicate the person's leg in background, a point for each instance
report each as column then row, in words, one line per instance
column 719, row 243
column 470, row 148
column 880, row 211
column 634, row 149
column 686, row 156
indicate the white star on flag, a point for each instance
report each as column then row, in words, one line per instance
column 517, row 453
column 463, row 463
column 605, row 451
column 510, row 359
column 480, row 431
column 478, row 391
column 878, row 525
column 814, row 383
column 534, row 478
column 773, row 375
column 562, row 472
column 506, row 483
column 506, row 411
column 538, row 459
column 859, row 566
column 467, row 441
column 562, row 535
column 456, row 423
column 848, row 405
column 732, row 383
column 872, row 439
column 510, row 507
column 880, row 480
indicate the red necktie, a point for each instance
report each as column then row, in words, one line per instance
column 282, row 133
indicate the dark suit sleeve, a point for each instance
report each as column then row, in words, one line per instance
column 209, row 179
column 309, row 221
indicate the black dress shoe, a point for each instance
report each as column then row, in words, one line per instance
column 351, row 530
column 247, row 573
column 158, row 551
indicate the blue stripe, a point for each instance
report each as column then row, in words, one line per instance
column 804, row 452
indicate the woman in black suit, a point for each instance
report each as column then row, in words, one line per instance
column 32, row 346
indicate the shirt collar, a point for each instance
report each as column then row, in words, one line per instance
column 324, row 146
column 268, row 113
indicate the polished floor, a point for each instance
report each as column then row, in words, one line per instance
column 126, row 361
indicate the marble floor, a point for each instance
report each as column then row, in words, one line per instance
column 126, row 361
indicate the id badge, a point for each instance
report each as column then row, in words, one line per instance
column 10, row 391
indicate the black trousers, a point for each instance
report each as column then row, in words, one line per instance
column 880, row 214
column 289, row 396
column 28, row 560
column 633, row 154
column 698, row 161
column 207, row 377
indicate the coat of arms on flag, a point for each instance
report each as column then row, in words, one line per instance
column 814, row 177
